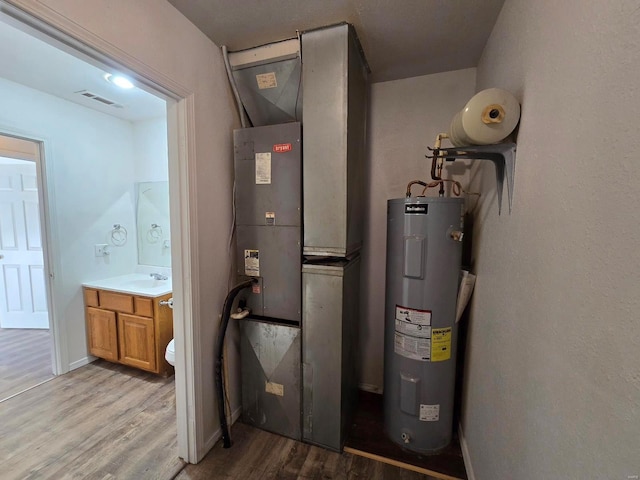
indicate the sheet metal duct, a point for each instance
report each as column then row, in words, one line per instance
column 270, row 355
column 331, row 293
column 268, row 79
column 335, row 80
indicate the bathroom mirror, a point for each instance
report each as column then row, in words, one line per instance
column 154, row 247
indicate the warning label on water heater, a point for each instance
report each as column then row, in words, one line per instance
column 252, row 263
column 411, row 315
column 441, row 344
column 413, row 333
column 412, row 347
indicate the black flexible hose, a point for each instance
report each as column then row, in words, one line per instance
column 226, row 314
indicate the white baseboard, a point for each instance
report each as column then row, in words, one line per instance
column 367, row 387
column 81, row 363
column 465, row 453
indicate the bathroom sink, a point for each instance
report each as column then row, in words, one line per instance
column 134, row 283
column 145, row 283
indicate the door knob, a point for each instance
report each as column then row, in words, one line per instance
column 169, row 302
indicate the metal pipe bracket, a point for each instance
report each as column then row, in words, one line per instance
column 502, row 155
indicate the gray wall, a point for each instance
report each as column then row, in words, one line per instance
column 404, row 117
column 553, row 382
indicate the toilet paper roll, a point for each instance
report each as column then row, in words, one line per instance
column 489, row 117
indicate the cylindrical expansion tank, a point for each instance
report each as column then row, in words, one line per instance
column 424, row 251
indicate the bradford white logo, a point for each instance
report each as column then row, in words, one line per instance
column 412, row 208
column 282, row 147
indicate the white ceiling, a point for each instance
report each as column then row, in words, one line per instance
column 400, row 38
column 34, row 63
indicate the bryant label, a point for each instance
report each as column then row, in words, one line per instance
column 282, row 147
column 416, row 209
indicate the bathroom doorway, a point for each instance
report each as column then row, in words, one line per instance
column 177, row 102
column 26, row 345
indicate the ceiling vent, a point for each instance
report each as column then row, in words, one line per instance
column 98, row 98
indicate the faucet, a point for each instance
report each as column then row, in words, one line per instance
column 158, row 276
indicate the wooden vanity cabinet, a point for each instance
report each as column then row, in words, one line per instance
column 130, row 329
column 103, row 333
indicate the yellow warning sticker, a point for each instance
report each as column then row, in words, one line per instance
column 440, row 344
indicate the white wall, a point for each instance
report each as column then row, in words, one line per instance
column 88, row 158
column 151, row 150
column 553, row 383
column 404, row 118
column 152, row 35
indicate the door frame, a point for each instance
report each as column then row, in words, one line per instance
column 57, row 340
column 40, row 21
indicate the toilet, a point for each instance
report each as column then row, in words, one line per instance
column 170, row 353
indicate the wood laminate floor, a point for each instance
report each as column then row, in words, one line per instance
column 25, row 359
column 102, row 421
column 256, row 454
column 108, row 422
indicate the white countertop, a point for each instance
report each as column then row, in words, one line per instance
column 134, row 283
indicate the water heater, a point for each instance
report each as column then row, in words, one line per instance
column 424, row 251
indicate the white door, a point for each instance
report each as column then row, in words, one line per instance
column 23, row 299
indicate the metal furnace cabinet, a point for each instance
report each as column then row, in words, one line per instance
column 270, row 356
column 331, row 293
column 268, row 217
column 302, row 195
column 268, row 175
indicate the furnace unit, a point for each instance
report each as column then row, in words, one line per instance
column 299, row 204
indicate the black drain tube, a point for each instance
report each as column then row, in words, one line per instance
column 226, row 314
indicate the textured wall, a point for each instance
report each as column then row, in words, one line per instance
column 553, row 370
column 405, row 116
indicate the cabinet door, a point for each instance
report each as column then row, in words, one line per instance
column 103, row 336
column 137, row 345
